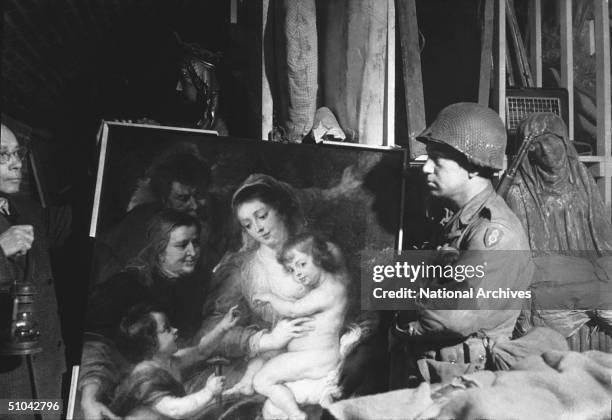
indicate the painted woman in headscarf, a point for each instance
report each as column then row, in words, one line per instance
column 566, row 221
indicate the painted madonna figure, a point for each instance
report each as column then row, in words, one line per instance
column 269, row 213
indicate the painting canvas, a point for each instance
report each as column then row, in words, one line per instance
column 251, row 200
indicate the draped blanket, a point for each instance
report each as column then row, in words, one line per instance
column 555, row 385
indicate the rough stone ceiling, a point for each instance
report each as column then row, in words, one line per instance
column 50, row 47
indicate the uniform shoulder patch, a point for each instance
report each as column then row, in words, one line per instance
column 492, row 236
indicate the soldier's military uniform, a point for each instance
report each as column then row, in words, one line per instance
column 456, row 336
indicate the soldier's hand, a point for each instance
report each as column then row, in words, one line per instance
column 17, row 240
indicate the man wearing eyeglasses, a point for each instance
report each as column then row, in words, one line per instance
column 26, row 234
column 16, row 240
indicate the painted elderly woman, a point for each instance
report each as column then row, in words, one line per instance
column 161, row 276
column 268, row 213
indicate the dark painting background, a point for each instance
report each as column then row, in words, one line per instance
column 368, row 218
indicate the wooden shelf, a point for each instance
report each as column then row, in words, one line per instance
column 595, row 159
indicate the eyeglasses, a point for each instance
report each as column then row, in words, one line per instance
column 20, row 154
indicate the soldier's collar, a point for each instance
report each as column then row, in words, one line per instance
column 475, row 205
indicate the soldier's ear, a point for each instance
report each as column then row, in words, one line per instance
column 481, row 172
column 475, row 170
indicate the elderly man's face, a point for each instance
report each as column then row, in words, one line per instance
column 184, row 198
column 10, row 162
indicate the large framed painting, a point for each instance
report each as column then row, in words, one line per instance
column 236, row 256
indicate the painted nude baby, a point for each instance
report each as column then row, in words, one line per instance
column 317, row 265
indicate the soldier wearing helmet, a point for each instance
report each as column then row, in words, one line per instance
column 465, row 147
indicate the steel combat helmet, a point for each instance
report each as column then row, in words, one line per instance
column 474, row 130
